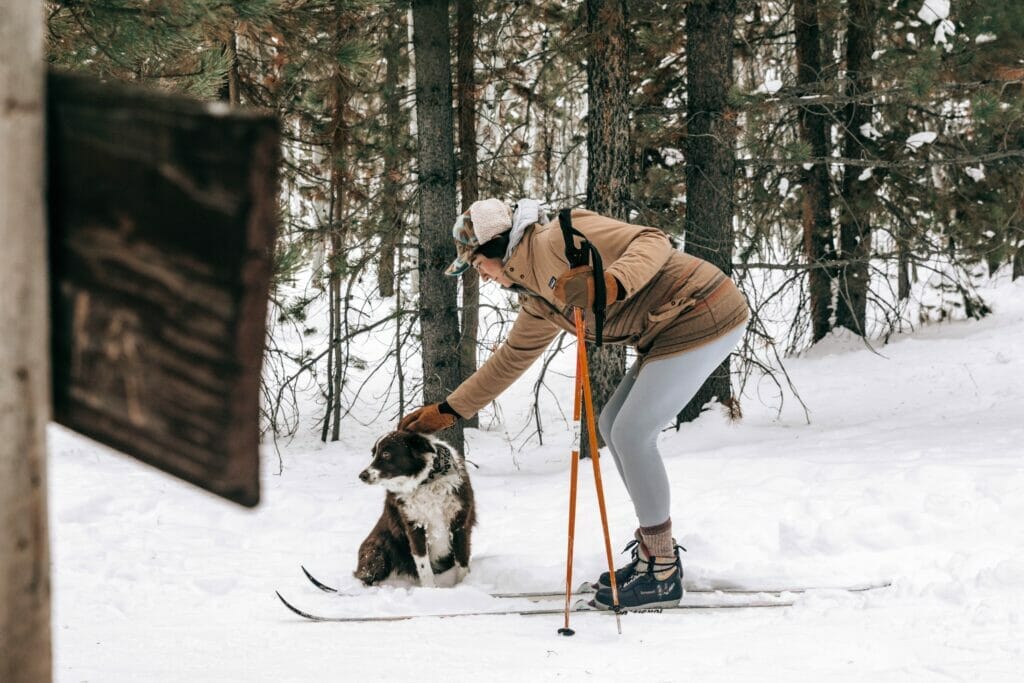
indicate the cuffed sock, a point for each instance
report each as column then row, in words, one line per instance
column 656, row 542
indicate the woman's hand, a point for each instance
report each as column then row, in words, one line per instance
column 427, row 420
column 576, row 288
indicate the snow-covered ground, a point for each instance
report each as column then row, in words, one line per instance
column 911, row 470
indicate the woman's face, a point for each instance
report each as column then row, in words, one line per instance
column 491, row 269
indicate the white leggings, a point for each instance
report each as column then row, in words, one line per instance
column 642, row 405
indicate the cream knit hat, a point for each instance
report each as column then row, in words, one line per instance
column 485, row 220
column 490, row 218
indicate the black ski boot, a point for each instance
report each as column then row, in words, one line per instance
column 639, row 559
column 642, row 589
column 623, row 573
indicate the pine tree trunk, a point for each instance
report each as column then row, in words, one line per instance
column 439, row 320
column 818, row 233
column 391, row 214
column 609, row 155
column 338, row 255
column 337, row 228
column 903, row 262
column 858, row 195
column 710, row 156
column 24, row 352
column 332, row 350
column 469, row 182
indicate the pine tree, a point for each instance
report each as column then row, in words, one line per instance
column 710, row 157
column 469, row 181
column 609, row 154
column 180, row 45
column 818, row 230
column 857, row 204
column 436, row 166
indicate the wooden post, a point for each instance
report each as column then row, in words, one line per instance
column 24, row 351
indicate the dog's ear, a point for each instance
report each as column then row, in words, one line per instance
column 419, row 443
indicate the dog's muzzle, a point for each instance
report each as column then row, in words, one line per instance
column 369, row 475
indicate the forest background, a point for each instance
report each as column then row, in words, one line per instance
column 855, row 165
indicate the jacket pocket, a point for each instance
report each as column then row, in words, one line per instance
column 670, row 309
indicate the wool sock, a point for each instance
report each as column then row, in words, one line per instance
column 657, row 542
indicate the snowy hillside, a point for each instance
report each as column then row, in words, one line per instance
column 911, row 470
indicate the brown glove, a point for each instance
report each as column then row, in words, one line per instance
column 576, row 288
column 427, row 420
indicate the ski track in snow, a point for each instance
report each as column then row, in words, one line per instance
column 911, row 469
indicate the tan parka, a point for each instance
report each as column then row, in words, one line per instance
column 674, row 302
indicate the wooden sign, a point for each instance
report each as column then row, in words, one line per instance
column 163, row 214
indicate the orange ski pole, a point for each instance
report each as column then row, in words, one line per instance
column 595, row 458
column 573, row 477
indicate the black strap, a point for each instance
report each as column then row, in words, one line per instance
column 585, row 254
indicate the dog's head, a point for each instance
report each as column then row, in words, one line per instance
column 401, row 462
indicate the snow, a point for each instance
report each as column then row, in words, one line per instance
column 917, row 140
column 772, row 83
column 911, row 469
column 944, row 29
column 933, row 10
column 869, row 131
column 783, row 187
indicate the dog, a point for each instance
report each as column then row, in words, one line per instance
column 429, row 513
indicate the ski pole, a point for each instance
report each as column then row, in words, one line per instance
column 595, row 459
column 573, row 478
column 582, row 394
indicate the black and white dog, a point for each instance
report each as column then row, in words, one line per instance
column 428, row 512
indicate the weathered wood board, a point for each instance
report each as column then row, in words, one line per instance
column 162, row 223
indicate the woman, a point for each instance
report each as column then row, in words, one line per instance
column 683, row 315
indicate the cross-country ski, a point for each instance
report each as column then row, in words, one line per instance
column 578, row 606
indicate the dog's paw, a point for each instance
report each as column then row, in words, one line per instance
column 447, row 579
column 425, row 572
column 367, row 578
column 450, row 578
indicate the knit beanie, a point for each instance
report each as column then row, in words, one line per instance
column 490, row 218
column 485, row 220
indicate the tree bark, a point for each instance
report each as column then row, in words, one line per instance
column 469, row 182
column 818, row 234
column 903, row 266
column 25, row 649
column 858, row 195
column 439, row 320
column 710, row 157
column 609, row 156
column 391, row 214
column 337, row 230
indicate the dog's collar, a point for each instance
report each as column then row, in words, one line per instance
column 444, row 462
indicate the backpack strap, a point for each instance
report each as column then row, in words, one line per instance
column 585, row 254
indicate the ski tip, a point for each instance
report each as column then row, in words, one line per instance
column 316, row 582
column 283, row 601
column 293, row 608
